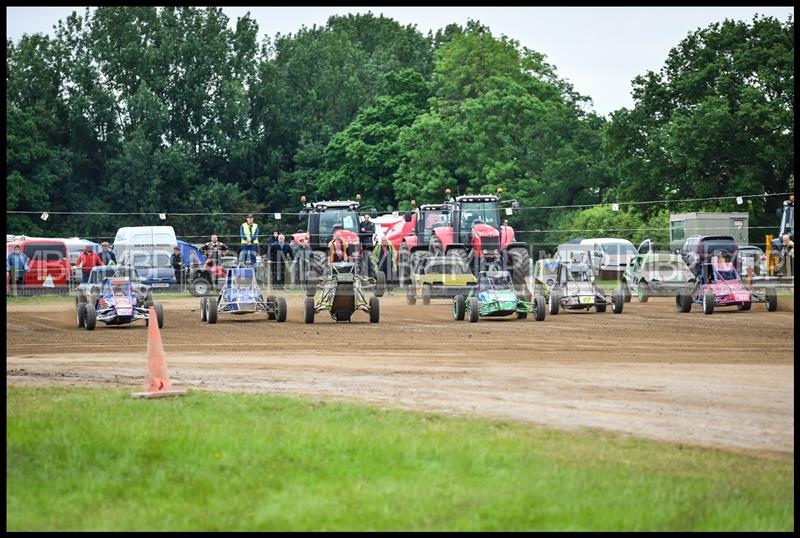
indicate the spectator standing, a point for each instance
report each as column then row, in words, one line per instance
column 249, row 233
column 366, row 235
column 788, row 254
column 86, row 261
column 176, row 261
column 302, row 259
column 106, row 256
column 280, row 252
column 17, row 264
column 384, row 256
column 214, row 250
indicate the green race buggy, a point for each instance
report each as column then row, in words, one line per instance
column 495, row 296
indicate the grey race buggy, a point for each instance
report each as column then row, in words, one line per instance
column 342, row 294
column 241, row 295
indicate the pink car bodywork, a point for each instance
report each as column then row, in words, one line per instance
column 727, row 286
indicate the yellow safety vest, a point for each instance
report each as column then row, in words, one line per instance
column 249, row 233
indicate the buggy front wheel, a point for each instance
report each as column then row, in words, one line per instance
column 374, row 310
column 538, row 308
column 91, row 317
column 211, row 310
column 81, row 315
column 203, row 314
column 553, row 303
column 474, row 310
column 308, row 309
column 459, row 308
column 160, row 314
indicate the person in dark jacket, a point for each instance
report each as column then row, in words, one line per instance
column 176, row 261
column 279, row 252
column 106, row 255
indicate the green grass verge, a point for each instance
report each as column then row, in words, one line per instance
column 94, row 459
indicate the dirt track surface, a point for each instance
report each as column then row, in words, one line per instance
column 725, row 380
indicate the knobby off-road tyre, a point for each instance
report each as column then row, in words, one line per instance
column 459, row 308
column 200, row 287
column 539, row 308
column 374, row 310
column 474, row 310
column 91, row 317
column 159, row 314
column 683, row 302
column 520, row 262
column 203, row 314
column 626, row 292
column 308, row 309
column 80, row 315
column 211, row 307
column 283, row 310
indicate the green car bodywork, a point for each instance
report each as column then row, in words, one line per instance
column 494, row 296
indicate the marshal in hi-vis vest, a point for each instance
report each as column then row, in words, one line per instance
column 247, row 233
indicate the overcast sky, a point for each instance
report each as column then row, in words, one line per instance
column 599, row 50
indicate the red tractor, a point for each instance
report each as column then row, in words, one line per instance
column 411, row 236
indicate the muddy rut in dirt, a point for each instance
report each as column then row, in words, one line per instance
column 720, row 380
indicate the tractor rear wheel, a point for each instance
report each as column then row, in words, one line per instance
column 91, row 317
column 380, row 283
column 538, row 308
column 426, row 294
column 411, row 295
column 374, row 310
column 520, row 262
column 211, row 310
column 283, row 309
column 271, row 301
column 772, row 301
column 203, row 309
column 417, row 257
column 308, row 309
column 81, row 315
column 459, row 308
column 474, row 310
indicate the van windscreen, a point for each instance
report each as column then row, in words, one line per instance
column 50, row 252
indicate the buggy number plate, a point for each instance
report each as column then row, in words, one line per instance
column 742, row 297
column 586, row 299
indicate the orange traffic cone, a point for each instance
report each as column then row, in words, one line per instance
column 157, row 383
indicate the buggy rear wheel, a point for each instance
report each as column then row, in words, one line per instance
column 772, row 300
column 374, row 310
column 91, row 317
column 426, row 294
column 159, row 314
column 617, row 301
column 270, row 301
column 459, row 308
column 308, row 309
column 411, row 295
column 553, row 303
column 81, row 315
column 211, row 310
column 538, row 308
column 474, row 310
column 283, row 309
column 380, row 283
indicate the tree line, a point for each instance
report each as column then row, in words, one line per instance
column 144, row 109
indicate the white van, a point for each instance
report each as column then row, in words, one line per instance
column 609, row 256
column 148, row 248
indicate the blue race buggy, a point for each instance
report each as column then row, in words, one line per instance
column 116, row 304
column 240, row 294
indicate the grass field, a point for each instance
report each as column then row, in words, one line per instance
column 93, row 459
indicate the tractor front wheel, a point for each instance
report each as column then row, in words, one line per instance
column 520, row 262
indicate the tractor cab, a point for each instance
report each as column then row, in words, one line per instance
column 430, row 217
column 329, row 219
column 476, row 222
